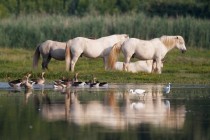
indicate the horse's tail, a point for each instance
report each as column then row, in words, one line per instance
column 113, row 55
column 68, row 55
column 36, row 57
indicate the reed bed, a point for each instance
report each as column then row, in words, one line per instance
column 29, row 31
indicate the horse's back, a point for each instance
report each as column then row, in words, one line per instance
column 54, row 49
column 143, row 49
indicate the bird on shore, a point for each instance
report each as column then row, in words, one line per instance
column 61, row 84
column 76, row 82
column 15, row 83
column 39, row 80
column 98, row 84
column 28, row 84
column 167, row 89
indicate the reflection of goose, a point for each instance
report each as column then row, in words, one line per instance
column 137, row 106
column 167, row 88
column 28, row 93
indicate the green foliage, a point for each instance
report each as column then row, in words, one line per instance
column 174, row 8
column 29, row 31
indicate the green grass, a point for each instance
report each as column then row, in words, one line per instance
column 191, row 67
column 29, row 31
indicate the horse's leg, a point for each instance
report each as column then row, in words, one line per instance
column 73, row 62
column 154, row 66
column 45, row 61
column 126, row 63
column 158, row 61
column 105, row 59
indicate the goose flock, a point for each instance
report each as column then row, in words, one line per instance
column 61, row 83
column 64, row 83
column 26, row 81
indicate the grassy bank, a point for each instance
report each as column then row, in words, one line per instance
column 28, row 31
column 191, row 67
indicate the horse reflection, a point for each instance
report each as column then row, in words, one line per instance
column 117, row 111
column 53, row 111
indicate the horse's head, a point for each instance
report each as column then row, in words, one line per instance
column 124, row 37
column 180, row 43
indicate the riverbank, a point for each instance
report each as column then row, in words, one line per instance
column 193, row 67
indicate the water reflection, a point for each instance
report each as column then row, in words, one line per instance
column 117, row 109
column 106, row 113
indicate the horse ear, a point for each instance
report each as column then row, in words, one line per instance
column 126, row 35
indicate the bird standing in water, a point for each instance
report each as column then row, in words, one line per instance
column 167, row 88
column 138, row 92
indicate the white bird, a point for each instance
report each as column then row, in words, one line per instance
column 137, row 91
column 167, row 88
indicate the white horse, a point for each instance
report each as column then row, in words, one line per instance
column 154, row 49
column 49, row 49
column 91, row 48
column 147, row 66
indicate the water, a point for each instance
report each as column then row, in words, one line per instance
column 106, row 113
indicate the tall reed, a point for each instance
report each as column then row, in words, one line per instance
column 29, row 31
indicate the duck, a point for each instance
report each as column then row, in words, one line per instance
column 15, row 83
column 39, row 80
column 94, row 83
column 76, row 82
column 167, row 88
column 98, row 84
column 28, row 84
column 61, row 84
column 103, row 84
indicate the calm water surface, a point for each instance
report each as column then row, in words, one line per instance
column 106, row 113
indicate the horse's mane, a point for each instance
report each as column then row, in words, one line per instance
column 113, row 55
column 168, row 41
